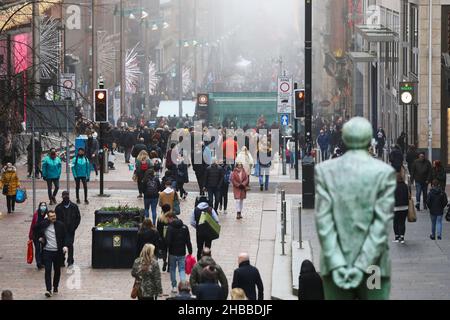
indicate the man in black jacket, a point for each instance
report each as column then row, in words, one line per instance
column 129, row 142
column 213, row 183
column 421, row 173
column 178, row 239
column 247, row 278
column 52, row 234
column 69, row 214
column 138, row 148
column 396, row 158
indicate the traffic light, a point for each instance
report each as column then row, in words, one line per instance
column 101, row 105
column 299, row 103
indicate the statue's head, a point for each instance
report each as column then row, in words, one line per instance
column 357, row 134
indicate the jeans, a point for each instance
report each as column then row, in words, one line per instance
column 324, row 154
column 153, row 203
column 38, row 253
column 421, row 188
column 400, row 223
column 53, row 194
column 261, row 182
column 224, row 196
column 292, row 159
column 11, row 203
column 127, row 155
column 436, row 221
column 173, row 262
column 214, row 193
column 50, row 259
column 77, row 187
column 201, row 243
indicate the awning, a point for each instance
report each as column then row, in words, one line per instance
column 171, row 108
column 362, row 57
column 377, row 33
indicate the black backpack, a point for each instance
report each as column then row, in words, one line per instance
column 151, row 189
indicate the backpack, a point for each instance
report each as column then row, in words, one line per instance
column 152, row 189
column 144, row 166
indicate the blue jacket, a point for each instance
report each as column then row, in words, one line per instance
column 51, row 168
column 323, row 141
column 81, row 168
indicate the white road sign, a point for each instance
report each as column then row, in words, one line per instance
column 285, row 97
column 68, row 87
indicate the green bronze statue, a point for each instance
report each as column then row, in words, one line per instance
column 355, row 197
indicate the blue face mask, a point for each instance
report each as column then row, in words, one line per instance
column 43, row 208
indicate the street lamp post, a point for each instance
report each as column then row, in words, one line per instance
column 180, row 65
column 122, row 62
column 430, row 82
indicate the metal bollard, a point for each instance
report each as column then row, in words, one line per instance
column 284, row 213
column 283, row 199
column 300, row 237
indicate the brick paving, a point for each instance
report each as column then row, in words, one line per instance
column 27, row 282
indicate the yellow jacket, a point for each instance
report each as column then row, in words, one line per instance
column 10, row 178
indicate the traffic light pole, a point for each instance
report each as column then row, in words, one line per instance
column 308, row 161
column 102, row 155
column 296, row 156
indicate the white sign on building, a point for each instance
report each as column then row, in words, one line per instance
column 285, row 95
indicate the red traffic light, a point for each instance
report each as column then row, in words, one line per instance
column 100, row 95
column 301, row 95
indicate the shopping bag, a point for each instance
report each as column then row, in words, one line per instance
column 412, row 217
column 21, row 195
column 190, row 263
column 176, row 207
column 207, row 227
column 30, row 252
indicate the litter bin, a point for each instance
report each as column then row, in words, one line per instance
column 309, row 191
column 80, row 142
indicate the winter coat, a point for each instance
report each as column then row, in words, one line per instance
column 145, row 188
column 230, row 148
column 60, row 232
column 148, row 236
column 37, row 218
column 239, row 184
column 396, row 159
column 92, row 149
column 310, row 286
column 81, row 168
column 167, row 196
column 323, row 141
column 247, row 278
column 214, row 176
column 150, row 280
column 182, row 173
column 162, row 227
column 140, row 173
column 209, row 291
column 12, row 180
column 411, row 156
column 246, row 159
column 71, row 216
column 437, row 201
column 421, row 171
column 51, row 168
column 137, row 149
column 440, row 175
column 195, row 278
column 178, row 238
column 129, row 139
column 401, row 196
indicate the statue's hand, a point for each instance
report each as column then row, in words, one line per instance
column 340, row 277
column 354, row 278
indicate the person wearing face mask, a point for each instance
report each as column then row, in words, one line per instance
column 52, row 235
column 38, row 217
column 51, row 172
column 81, row 171
column 68, row 213
column 10, row 183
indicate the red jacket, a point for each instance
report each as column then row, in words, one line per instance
column 33, row 223
column 230, row 148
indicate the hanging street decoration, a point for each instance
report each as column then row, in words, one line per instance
column 50, row 47
column 132, row 71
column 153, row 79
column 106, row 44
